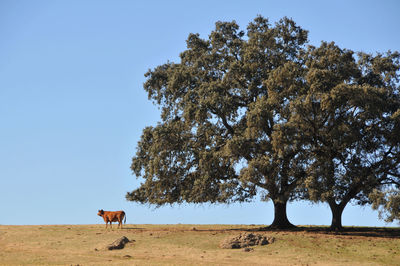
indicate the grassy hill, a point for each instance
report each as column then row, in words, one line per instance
column 194, row 244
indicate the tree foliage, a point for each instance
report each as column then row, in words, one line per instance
column 256, row 112
column 349, row 122
column 224, row 109
column 387, row 202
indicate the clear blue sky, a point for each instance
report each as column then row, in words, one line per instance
column 72, row 106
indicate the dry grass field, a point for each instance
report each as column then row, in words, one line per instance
column 194, row 245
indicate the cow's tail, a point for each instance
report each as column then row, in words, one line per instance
column 125, row 219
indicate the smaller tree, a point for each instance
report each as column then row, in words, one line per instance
column 386, row 198
column 348, row 119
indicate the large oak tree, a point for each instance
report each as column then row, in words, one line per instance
column 224, row 135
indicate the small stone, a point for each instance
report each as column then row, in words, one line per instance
column 248, row 249
column 118, row 244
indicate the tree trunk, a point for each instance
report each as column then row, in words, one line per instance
column 280, row 218
column 337, row 210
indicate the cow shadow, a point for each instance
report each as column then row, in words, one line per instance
column 132, row 228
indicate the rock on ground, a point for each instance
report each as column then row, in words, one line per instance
column 119, row 243
column 245, row 240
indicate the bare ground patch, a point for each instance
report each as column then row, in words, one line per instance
column 182, row 244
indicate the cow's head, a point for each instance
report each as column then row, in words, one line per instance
column 100, row 213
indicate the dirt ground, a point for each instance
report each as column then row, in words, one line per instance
column 195, row 244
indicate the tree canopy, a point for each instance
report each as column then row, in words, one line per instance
column 258, row 112
column 349, row 125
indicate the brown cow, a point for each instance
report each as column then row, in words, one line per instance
column 117, row 216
